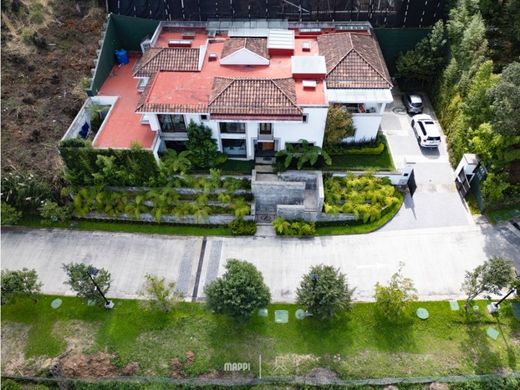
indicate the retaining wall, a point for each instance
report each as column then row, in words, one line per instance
column 218, row 219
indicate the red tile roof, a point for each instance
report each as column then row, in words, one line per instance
column 167, row 59
column 254, row 97
column 256, row 45
column 354, row 60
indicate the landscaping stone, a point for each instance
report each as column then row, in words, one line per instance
column 281, row 316
column 300, row 314
column 56, row 303
column 422, row 313
column 454, row 305
column 492, row 333
column 263, row 312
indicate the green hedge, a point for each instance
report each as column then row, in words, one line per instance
column 130, row 167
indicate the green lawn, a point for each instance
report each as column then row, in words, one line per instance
column 148, row 228
column 504, row 214
column 232, row 167
column 361, row 162
column 356, row 344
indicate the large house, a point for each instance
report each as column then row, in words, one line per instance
column 257, row 89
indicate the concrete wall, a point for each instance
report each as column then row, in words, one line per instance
column 313, row 181
column 367, row 126
column 273, row 193
column 219, row 219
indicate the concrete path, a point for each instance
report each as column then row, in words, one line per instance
column 436, row 259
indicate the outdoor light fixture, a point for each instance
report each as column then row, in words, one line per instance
column 493, row 307
column 314, row 278
column 91, row 272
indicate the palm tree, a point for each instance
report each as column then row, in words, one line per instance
column 137, row 207
column 240, row 208
column 305, row 153
column 174, row 162
column 281, row 225
column 82, row 201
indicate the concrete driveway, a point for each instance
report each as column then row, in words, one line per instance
column 436, row 203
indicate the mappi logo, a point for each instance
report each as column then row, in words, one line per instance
column 237, row 366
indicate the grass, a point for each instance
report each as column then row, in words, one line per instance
column 502, row 215
column 147, row 228
column 363, row 228
column 232, row 167
column 356, row 345
column 360, row 162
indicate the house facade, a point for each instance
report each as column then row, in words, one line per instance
column 257, row 89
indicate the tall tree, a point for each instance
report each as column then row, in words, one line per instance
column 506, row 101
column 201, row 145
column 338, row 126
column 79, row 280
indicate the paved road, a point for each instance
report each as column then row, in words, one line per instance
column 435, row 259
column 436, row 202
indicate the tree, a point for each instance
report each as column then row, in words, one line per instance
column 160, row 294
column 324, row 291
column 202, row 147
column 392, row 299
column 173, row 162
column 19, row 283
column 491, row 277
column 239, row 292
column 506, row 101
column 303, row 153
column 338, row 125
column 80, row 281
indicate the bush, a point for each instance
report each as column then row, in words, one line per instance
column 19, row 283
column 79, row 280
column 10, row 216
column 348, row 149
column 9, row 384
column 324, row 291
column 239, row 227
column 25, row 192
column 160, row 294
column 294, row 228
column 239, row 292
column 52, row 212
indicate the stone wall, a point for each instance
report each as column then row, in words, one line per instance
column 272, row 193
column 218, row 219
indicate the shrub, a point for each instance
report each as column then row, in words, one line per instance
column 239, row 292
column 324, row 291
column 392, row 299
column 338, row 125
column 293, row 228
column 52, row 212
column 9, row 384
column 79, row 280
column 202, row 147
column 160, row 294
column 10, row 216
column 19, row 283
column 348, row 149
column 25, row 192
column 239, row 227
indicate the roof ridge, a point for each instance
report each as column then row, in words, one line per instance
column 285, row 94
column 223, row 89
column 372, row 66
column 340, row 60
column 139, row 65
column 144, row 96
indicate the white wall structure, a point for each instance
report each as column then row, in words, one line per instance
column 244, row 56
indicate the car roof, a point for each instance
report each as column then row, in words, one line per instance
column 422, row 117
column 415, row 98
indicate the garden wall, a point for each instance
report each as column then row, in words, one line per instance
column 219, row 219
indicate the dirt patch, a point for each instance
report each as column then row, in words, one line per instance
column 47, row 49
column 321, row 376
column 95, row 365
column 179, row 366
column 79, row 335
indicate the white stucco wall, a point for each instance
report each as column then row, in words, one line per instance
column 367, row 126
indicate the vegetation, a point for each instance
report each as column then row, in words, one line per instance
column 239, row 292
column 303, row 153
column 10, row 216
column 160, row 294
column 324, row 292
column 175, row 162
column 355, row 344
column 476, row 105
column 20, row 283
column 81, row 278
column 293, row 228
column 366, row 197
column 338, row 126
column 24, row 192
column 239, row 227
column 52, row 212
column 202, row 147
column 491, row 278
column 393, row 299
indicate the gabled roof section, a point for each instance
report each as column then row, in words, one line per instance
column 251, row 97
column 354, row 60
column 167, row 59
column 255, row 45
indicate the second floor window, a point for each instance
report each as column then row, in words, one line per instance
column 266, row 128
column 171, row 123
column 232, row 127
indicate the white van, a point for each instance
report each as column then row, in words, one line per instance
column 426, row 131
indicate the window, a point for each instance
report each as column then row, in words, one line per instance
column 203, row 117
column 171, row 123
column 266, row 128
column 232, row 127
column 305, row 118
column 234, row 147
column 422, row 128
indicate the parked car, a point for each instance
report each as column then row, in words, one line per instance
column 413, row 103
column 426, row 131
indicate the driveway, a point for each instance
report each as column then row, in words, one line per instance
column 436, row 258
column 436, row 203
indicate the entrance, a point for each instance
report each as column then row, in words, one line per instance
column 264, row 149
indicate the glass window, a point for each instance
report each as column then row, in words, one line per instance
column 266, row 128
column 234, row 147
column 232, row 127
column 171, row 123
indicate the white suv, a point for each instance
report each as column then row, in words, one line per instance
column 426, row 131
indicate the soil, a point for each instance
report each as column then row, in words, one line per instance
column 48, row 48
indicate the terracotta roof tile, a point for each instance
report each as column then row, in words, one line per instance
column 167, row 59
column 256, row 45
column 263, row 97
column 353, row 60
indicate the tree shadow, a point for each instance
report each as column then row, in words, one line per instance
column 394, row 335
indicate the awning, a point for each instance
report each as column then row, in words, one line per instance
column 359, row 96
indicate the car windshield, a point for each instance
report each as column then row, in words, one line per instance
column 434, row 138
column 416, row 104
column 428, row 122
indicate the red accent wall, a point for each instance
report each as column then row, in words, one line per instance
column 281, row 52
column 308, row 76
